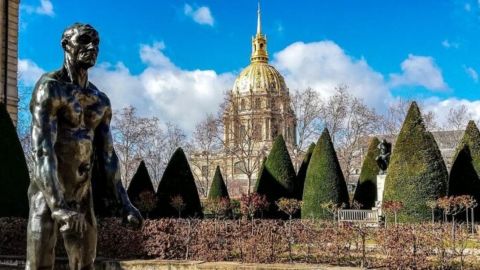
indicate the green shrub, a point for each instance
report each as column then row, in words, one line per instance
column 177, row 180
column 141, row 183
column 366, row 191
column 218, row 189
column 417, row 172
column 14, row 177
column 464, row 174
column 324, row 181
column 260, row 172
column 277, row 178
column 302, row 172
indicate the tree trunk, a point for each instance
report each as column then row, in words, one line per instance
column 473, row 221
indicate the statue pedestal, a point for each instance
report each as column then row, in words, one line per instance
column 380, row 186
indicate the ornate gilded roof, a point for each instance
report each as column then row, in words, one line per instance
column 259, row 76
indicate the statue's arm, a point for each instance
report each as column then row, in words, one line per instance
column 110, row 163
column 112, row 169
column 44, row 107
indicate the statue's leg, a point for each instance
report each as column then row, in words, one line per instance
column 41, row 235
column 90, row 241
column 81, row 249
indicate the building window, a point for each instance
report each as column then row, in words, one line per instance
column 258, row 103
column 274, row 131
column 204, row 171
column 257, row 132
column 239, row 167
column 243, row 132
column 242, row 105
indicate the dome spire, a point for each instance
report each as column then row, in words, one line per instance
column 259, row 20
column 259, row 42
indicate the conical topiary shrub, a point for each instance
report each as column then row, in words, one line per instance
column 277, row 177
column 464, row 174
column 260, row 172
column 218, row 189
column 417, row 172
column 14, row 177
column 366, row 191
column 141, row 191
column 324, row 181
column 178, row 182
column 302, row 172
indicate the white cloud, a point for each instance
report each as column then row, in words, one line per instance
column 28, row 72
column 45, row 8
column 472, row 73
column 419, row 71
column 441, row 107
column 448, row 44
column 163, row 89
column 182, row 96
column 201, row 15
column 324, row 65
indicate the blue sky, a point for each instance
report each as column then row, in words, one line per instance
column 164, row 56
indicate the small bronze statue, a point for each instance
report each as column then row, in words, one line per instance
column 383, row 159
column 71, row 132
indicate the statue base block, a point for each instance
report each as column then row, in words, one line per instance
column 380, row 187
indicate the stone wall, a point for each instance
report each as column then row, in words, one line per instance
column 9, row 55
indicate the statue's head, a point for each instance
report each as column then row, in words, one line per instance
column 80, row 43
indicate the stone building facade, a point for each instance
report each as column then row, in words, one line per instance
column 9, row 55
column 258, row 110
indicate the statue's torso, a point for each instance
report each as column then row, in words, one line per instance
column 79, row 112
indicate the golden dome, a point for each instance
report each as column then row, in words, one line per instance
column 259, row 76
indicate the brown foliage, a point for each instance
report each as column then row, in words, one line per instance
column 406, row 246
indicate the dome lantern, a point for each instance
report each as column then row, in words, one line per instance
column 259, row 42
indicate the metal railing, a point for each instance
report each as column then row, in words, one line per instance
column 366, row 216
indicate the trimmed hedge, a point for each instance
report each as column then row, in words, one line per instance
column 14, row 177
column 178, row 180
column 417, row 172
column 141, row 182
column 277, row 178
column 218, row 189
column 324, row 181
column 260, row 172
column 302, row 172
column 464, row 175
column 366, row 191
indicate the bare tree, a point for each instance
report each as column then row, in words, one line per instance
column 152, row 151
column 458, row 118
column 349, row 121
column 205, row 143
column 397, row 111
column 241, row 136
column 175, row 137
column 130, row 133
column 360, row 123
column 23, row 122
column 334, row 111
column 307, row 106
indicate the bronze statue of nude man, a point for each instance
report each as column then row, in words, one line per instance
column 70, row 131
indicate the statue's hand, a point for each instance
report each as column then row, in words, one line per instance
column 70, row 221
column 132, row 217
